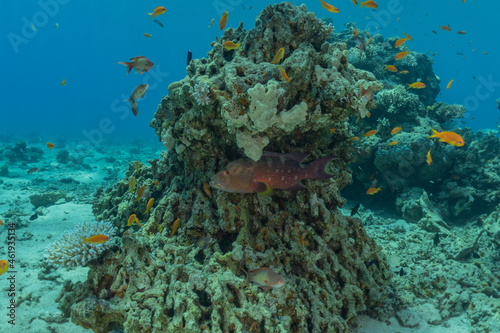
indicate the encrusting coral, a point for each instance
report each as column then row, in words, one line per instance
column 161, row 280
column 71, row 251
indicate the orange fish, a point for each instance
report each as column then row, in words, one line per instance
column 416, row 85
column 445, row 27
column 140, row 192
column 396, row 130
column 63, row 83
column 284, row 76
column 211, row 22
column 404, row 72
column 50, row 145
column 206, row 188
column 278, row 56
column 4, row 266
column 373, row 190
column 1, row 222
column 393, row 143
column 332, row 130
column 132, row 184
column 391, row 68
column 157, row 12
column 157, row 183
column 137, row 166
column 354, row 138
column 329, row 7
column 149, row 205
column 400, row 42
column 175, row 226
column 407, row 36
column 451, row 138
column 369, row 4
column 428, row 158
column 133, row 218
column 370, row 133
column 147, row 35
column 449, row 84
column 228, row 45
column 97, row 239
column 461, row 32
column 223, row 20
column 401, row 55
column 355, row 2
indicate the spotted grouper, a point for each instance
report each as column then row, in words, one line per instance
column 272, row 171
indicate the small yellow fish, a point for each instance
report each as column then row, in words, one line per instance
column 157, row 183
column 206, row 188
column 393, row 143
column 147, row 35
column 354, row 138
column 50, row 145
column 284, row 76
column 175, row 226
column 228, row 45
column 97, row 239
column 370, row 133
column 428, row 158
column 137, row 166
column 416, row 85
column 329, row 7
column 395, row 130
column 449, row 84
column 149, row 206
column 140, row 192
column 131, row 219
column 278, row 57
column 391, row 68
column 400, row 42
column 373, row 190
column 223, row 20
column 211, row 22
column 1, row 222
column 4, row 266
column 157, row 12
column 132, row 184
column 404, row 72
column 63, row 82
column 401, row 55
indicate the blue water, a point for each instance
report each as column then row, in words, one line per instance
column 92, row 36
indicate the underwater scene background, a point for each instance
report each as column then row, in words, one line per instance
column 249, row 166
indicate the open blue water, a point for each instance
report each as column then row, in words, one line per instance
column 92, row 36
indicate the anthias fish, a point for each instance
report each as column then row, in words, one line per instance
column 138, row 92
column 140, row 63
column 272, row 171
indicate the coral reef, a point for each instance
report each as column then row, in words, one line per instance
column 71, row 251
column 21, row 152
column 160, row 280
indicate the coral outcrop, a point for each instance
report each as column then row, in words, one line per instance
column 162, row 280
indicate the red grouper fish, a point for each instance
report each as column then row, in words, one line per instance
column 272, row 171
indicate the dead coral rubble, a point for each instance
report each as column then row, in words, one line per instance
column 157, row 282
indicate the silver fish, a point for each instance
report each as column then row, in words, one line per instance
column 138, row 92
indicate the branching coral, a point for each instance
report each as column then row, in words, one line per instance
column 71, row 251
column 202, row 93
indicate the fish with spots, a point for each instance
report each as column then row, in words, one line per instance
column 273, row 171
